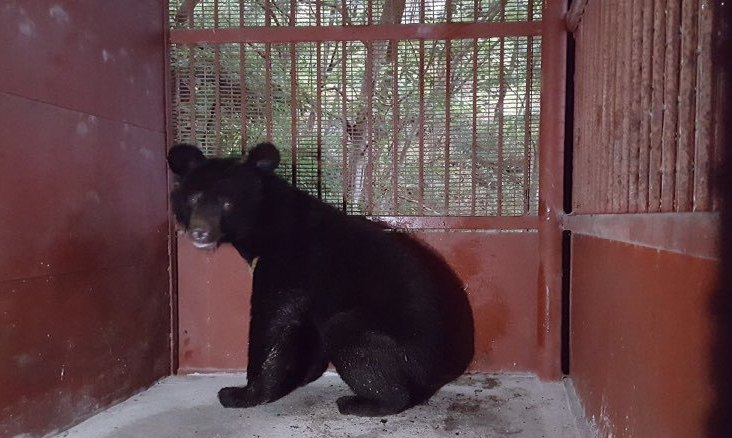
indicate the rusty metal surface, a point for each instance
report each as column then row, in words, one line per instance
column 499, row 270
column 101, row 61
column 641, row 338
column 84, row 286
column 694, row 234
column 551, row 190
column 75, row 343
column 644, row 128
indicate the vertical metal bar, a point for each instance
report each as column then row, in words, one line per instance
column 172, row 247
column 634, row 119
column 579, row 187
column 344, row 115
column 319, row 115
column 318, row 108
column 613, row 128
column 527, row 115
column 703, row 137
column 581, row 190
column 551, row 174
column 500, row 115
column 474, row 142
column 670, row 105
column 656, row 122
column 217, row 100
column 395, row 126
column 687, row 107
column 294, row 104
column 369, row 182
column 448, row 115
column 293, row 97
column 420, row 209
column 268, row 73
column 600, row 90
column 243, row 94
column 645, row 105
column 216, row 13
column 591, row 116
column 625, row 108
column 217, row 88
column 192, row 90
column 448, row 95
column 190, row 12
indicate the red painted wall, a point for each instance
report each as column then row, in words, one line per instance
column 641, row 338
column 499, row 270
column 84, row 288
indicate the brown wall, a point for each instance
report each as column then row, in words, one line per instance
column 641, row 282
column 644, row 126
column 641, row 338
column 84, row 294
column 499, row 270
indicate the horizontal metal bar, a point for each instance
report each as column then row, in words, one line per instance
column 695, row 234
column 288, row 34
column 460, row 222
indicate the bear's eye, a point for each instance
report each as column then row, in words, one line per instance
column 194, row 198
column 227, row 205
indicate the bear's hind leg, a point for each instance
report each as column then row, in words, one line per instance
column 374, row 368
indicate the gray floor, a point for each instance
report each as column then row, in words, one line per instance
column 517, row 405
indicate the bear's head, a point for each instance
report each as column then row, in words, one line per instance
column 217, row 200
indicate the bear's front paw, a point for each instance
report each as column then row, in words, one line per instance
column 237, row 397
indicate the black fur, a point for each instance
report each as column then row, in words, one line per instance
column 384, row 310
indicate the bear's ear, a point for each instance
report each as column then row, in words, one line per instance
column 264, row 156
column 182, row 158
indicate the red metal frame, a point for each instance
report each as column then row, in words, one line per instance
column 172, row 240
column 546, row 224
column 694, row 234
column 551, row 187
column 287, row 34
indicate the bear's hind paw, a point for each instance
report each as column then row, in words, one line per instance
column 237, row 397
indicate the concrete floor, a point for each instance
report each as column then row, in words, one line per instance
column 516, row 405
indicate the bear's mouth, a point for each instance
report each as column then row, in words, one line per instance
column 203, row 237
column 205, row 245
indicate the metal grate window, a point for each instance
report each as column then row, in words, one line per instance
column 208, row 14
column 431, row 127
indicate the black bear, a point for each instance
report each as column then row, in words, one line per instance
column 389, row 315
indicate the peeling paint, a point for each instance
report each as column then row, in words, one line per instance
column 26, row 27
column 146, row 153
column 93, row 196
column 82, row 129
column 59, row 14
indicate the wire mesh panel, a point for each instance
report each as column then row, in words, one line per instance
column 440, row 127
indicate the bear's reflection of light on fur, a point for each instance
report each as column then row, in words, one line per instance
column 388, row 313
